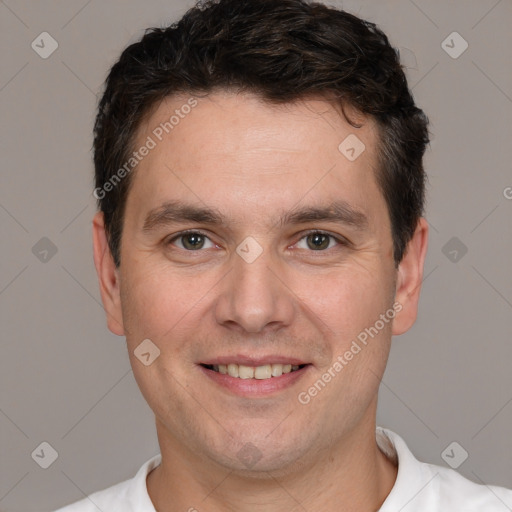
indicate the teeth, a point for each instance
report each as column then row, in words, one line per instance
column 259, row 372
column 233, row 370
column 263, row 372
column 277, row 370
column 245, row 372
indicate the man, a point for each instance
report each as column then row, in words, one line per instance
column 260, row 239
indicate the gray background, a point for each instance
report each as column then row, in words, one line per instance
column 67, row 381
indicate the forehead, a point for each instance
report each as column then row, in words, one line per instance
column 235, row 151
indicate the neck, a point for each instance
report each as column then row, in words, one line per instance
column 350, row 475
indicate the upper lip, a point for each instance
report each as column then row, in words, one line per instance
column 248, row 360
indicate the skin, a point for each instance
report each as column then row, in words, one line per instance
column 253, row 162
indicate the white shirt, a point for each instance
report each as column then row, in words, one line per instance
column 419, row 487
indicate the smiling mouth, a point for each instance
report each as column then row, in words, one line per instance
column 241, row 371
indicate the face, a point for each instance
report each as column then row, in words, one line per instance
column 252, row 245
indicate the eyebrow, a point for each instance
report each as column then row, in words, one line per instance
column 339, row 212
column 176, row 211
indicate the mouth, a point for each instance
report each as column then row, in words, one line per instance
column 261, row 379
column 267, row 371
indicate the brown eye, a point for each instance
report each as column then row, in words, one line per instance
column 192, row 241
column 318, row 241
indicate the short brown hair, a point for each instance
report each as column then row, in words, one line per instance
column 281, row 50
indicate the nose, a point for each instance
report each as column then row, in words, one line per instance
column 254, row 297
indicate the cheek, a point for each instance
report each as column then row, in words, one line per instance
column 347, row 300
column 155, row 302
column 160, row 307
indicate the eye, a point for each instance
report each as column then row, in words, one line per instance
column 192, row 241
column 318, row 241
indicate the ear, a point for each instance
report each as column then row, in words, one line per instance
column 409, row 279
column 108, row 276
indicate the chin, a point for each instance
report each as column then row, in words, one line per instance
column 256, row 456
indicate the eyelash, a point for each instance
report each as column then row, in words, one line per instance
column 339, row 240
column 185, row 233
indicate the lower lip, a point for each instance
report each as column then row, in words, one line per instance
column 255, row 387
